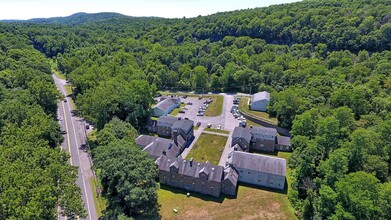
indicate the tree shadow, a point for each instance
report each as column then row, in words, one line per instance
column 175, row 190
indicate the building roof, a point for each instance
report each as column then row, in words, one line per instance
column 240, row 132
column 144, row 140
column 165, row 104
column 285, row 141
column 184, row 125
column 264, row 95
column 231, row 175
column 192, row 169
column 167, row 119
column 263, row 130
column 160, row 145
column 259, row 163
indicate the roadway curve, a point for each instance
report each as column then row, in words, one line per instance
column 75, row 135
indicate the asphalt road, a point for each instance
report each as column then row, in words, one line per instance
column 74, row 137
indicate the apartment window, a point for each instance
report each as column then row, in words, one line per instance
column 249, row 172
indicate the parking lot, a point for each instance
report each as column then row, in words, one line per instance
column 226, row 120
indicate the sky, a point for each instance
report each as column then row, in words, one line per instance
column 26, row 9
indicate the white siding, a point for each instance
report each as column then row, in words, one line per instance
column 259, row 105
column 261, row 179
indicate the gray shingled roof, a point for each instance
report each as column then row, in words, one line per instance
column 264, row 130
column 231, row 174
column 282, row 140
column 156, row 148
column 165, row 104
column 260, row 163
column 260, row 96
column 183, row 124
column 144, row 140
column 215, row 172
column 167, row 119
column 240, row 132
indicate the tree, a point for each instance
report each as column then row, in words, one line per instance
column 200, row 79
column 116, row 130
column 358, row 194
column 128, row 178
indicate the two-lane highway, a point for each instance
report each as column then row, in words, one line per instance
column 73, row 139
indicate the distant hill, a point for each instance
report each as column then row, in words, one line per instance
column 75, row 19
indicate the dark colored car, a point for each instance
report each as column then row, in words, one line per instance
column 189, row 103
column 63, row 132
column 181, row 111
column 199, row 98
column 198, row 124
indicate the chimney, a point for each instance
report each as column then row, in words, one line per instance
column 175, row 136
column 191, row 161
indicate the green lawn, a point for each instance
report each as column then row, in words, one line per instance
column 175, row 112
column 208, row 147
column 99, row 201
column 251, row 202
column 216, row 107
column 216, row 130
column 68, row 88
column 243, row 107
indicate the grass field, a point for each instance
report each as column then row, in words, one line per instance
column 208, row 147
column 216, row 107
column 243, row 107
column 216, row 130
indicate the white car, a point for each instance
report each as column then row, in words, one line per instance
column 218, row 127
column 200, row 114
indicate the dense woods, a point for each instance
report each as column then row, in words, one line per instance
column 326, row 62
column 34, row 175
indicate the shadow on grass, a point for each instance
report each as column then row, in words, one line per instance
column 197, row 195
column 284, row 191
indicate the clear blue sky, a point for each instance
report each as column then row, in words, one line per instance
column 25, row 9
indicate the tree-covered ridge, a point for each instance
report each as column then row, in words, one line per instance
column 34, row 175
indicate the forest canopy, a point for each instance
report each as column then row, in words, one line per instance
column 327, row 64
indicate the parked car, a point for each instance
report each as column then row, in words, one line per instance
column 200, row 97
column 209, row 125
column 185, row 96
column 63, row 132
column 200, row 114
column 189, row 103
column 65, row 100
column 198, row 124
column 87, row 126
column 218, row 127
column 181, row 111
